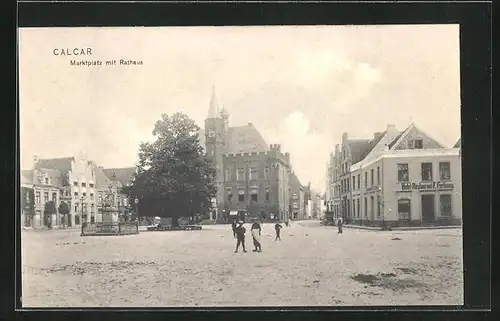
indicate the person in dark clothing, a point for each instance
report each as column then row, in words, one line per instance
column 240, row 236
column 256, row 231
column 278, row 228
column 339, row 224
column 233, row 226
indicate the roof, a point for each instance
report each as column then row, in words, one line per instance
column 35, row 177
column 123, row 175
column 61, row 164
column 391, row 144
column 458, row 144
column 213, row 110
column 294, row 180
column 370, row 145
column 358, row 148
column 245, row 139
column 101, row 180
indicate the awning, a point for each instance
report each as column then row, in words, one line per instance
column 233, row 213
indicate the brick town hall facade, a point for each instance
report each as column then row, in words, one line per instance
column 252, row 176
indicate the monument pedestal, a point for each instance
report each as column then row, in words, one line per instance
column 110, row 215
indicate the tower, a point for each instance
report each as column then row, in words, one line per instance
column 215, row 136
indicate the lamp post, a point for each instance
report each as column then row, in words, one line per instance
column 136, row 201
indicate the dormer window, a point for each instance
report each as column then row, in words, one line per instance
column 84, row 184
column 46, row 180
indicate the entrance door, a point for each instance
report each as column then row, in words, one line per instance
column 428, row 213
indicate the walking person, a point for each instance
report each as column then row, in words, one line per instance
column 278, row 228
column 256, row 231
column 339, row 225
column 240, row 236
column 233, row 226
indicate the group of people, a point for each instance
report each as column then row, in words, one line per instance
column 256, row 230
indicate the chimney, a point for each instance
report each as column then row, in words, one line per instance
column 35, row 159
column 391, row 128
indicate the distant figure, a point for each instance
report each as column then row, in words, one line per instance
column 256, row 230
column 339, row 224
column 240, row 236
column 278, row 228
column 233, row 226
column 287, row 223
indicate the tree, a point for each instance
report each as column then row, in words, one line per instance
column 50, row 208
column 64, row 210
column 173, row 177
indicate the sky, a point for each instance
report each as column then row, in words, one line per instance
column 301, row 86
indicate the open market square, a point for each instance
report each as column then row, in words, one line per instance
column 313, row 265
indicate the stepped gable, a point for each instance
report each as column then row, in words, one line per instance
column 245, row 139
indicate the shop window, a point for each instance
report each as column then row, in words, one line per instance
column 426, row 172
column 445, row 205
column 241, row 196
column 404, row 209
column 403, row 175
column 444, row 171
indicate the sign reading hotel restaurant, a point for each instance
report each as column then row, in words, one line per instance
column 423, row 186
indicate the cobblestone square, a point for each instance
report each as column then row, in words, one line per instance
column 311, row 266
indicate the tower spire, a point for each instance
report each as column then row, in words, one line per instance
column 213, row 111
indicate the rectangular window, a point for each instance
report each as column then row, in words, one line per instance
column 445, row 205
column 254, row 195
column 54, row 197
column 378, row 175
column 241, row 195
column 91, row 185
column 37, row 197
column 347, row 181
column 366, row 179
column 76, row 208
column 444, row 171
column 76, row 193
column 240, row 174
column 403, row 175
column 267, row 194
column 75, row 183
column 378, row 205
column 353, row 207
column 354, row 183
column 427, row 172
column 84, row 194
column 84, row 184
column 46, row 180
column 229, row 195
column 371, row 176
column 359, row 181
column 366, row 206
column 92, row 208
column 91, row 194
column 358, row 201
column 372, row 206
column 418, row 144
column 228, row 175
column 45, row 197
column 266, row 172
column 404, row 209
column 253, row 174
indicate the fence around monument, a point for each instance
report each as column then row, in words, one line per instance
column 109, row 228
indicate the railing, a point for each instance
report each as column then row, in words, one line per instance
column 109, row 228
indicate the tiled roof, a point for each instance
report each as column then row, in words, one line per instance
column 370, row 145
column 294, row 181
column 61, row 164
column 245, row 139
column 458, row 144
column 123, row 175
column 358, row 148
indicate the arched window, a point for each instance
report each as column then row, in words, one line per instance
column 404, row 209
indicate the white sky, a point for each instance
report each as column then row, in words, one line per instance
column 301, row 87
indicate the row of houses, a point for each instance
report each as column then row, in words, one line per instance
column 85, row 187
column 396, row 178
